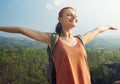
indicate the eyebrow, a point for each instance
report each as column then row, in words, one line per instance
column 72, row 14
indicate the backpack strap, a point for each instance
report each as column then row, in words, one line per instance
column 54, row 39
column 51, row 68
column 81, row 38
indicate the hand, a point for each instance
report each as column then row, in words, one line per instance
column 102, row 29
column 112, row 28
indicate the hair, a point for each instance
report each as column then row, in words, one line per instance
column 58, row 28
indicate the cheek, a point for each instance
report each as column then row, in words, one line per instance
column 64, row 20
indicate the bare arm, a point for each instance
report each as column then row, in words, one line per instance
column 89, row 36
column 36, row 35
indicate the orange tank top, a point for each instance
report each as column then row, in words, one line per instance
column 71, row 64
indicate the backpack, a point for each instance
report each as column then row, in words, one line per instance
column 51, row 69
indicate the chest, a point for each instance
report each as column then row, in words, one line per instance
column 68, row 41
column 63, row 50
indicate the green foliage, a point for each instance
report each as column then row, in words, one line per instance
column 29, row 65
column 23, row 66
column 97, row 62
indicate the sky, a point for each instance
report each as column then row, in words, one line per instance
column 42, row 15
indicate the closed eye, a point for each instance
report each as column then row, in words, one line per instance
column 72, row 15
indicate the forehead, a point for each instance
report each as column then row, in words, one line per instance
column 69, row 11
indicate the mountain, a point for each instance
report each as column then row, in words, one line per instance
column 105, row 42
column 19, row 42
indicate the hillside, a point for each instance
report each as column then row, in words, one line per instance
column 104, row 43
column 21, row 42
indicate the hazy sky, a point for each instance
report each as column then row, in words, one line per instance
column 42, row 14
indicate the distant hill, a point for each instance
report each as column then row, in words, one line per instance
column 19, row 42
column 104, row 43
column 22, row 42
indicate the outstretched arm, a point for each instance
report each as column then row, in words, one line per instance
column 36, row 35
column 89, row 36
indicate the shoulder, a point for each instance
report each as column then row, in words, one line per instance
column 53, row 39
column 81, row 38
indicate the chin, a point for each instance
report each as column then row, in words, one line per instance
column 73, row 25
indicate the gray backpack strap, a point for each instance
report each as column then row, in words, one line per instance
column 81, row 38
column 54, row 39
column 51, row 68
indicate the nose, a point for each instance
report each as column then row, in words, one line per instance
column 73, row 16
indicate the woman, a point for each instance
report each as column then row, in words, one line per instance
column 69, row 56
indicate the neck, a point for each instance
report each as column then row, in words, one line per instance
column 67, row 34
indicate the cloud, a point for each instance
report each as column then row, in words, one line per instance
column 49, row 6
column 62, row 3
column 54, row 4
column 58, row 2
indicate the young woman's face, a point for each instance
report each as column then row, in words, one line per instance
column 69, row 18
